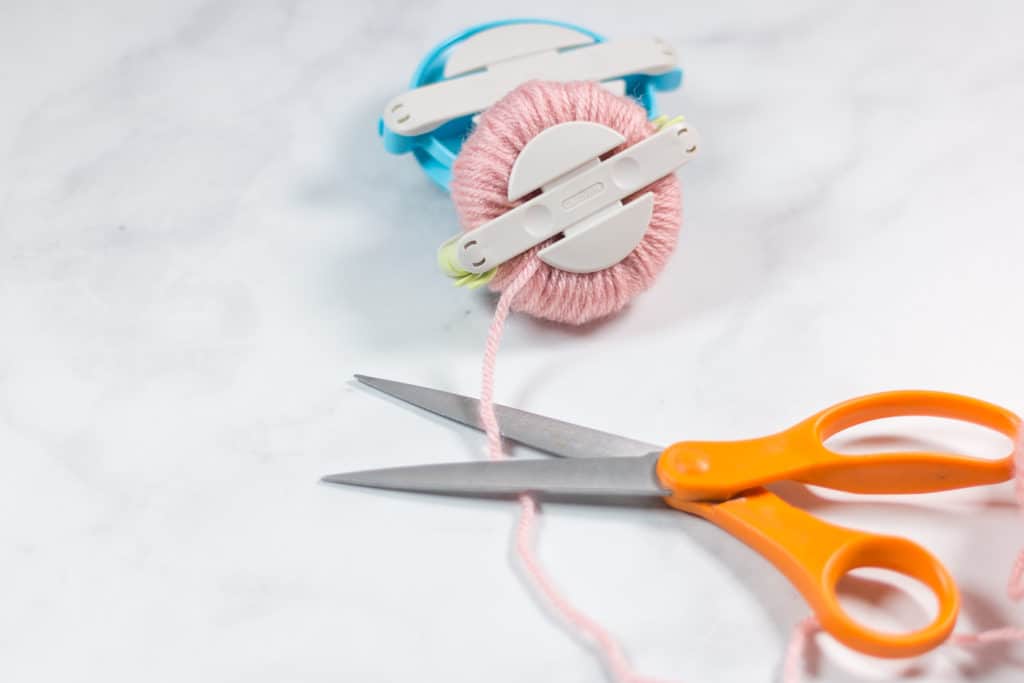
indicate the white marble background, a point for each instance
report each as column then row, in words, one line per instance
column 201, row 238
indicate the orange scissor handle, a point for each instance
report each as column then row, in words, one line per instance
column 718, row 470
column 814, row 555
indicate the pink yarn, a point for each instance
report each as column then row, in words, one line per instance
column 579, row 623
column 995, row 635
column 794, row 660
column 1015, row 585
column 488, row 418
column 480, row 190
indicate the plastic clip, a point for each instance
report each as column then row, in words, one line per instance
column 469, row 72
column 580, row 199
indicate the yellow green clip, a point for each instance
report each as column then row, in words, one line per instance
column 450, row 267
column 663, row 120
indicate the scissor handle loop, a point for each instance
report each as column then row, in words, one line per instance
column 903, row 557
column 718, row 470
column 815, row 555
column 910, row 403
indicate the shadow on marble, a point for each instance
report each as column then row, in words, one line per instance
column 994, row 656
column 387, row 278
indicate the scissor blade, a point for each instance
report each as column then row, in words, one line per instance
column 536, row 431
column 625, row 476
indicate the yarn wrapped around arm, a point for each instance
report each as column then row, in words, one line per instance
column 480, row 191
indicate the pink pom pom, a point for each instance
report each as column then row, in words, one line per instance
column 480, row 190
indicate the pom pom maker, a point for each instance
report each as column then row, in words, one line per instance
column 580, row 198
column 470, row 71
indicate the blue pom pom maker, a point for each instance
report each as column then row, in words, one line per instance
column 470, row 71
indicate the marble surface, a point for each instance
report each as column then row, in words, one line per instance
column 201, row 239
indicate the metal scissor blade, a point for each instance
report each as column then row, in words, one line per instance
column 625, row 476
column 536, row 431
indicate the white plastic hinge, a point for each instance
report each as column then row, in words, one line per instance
column 580, row 199
column 489, row 65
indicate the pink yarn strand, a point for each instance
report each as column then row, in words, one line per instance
column 995, row 635
column 579, row 624
column 488, row 418
column 798, row 641
column 582, row 626
column 1015, row 585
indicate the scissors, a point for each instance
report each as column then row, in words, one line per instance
column 723, row 482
